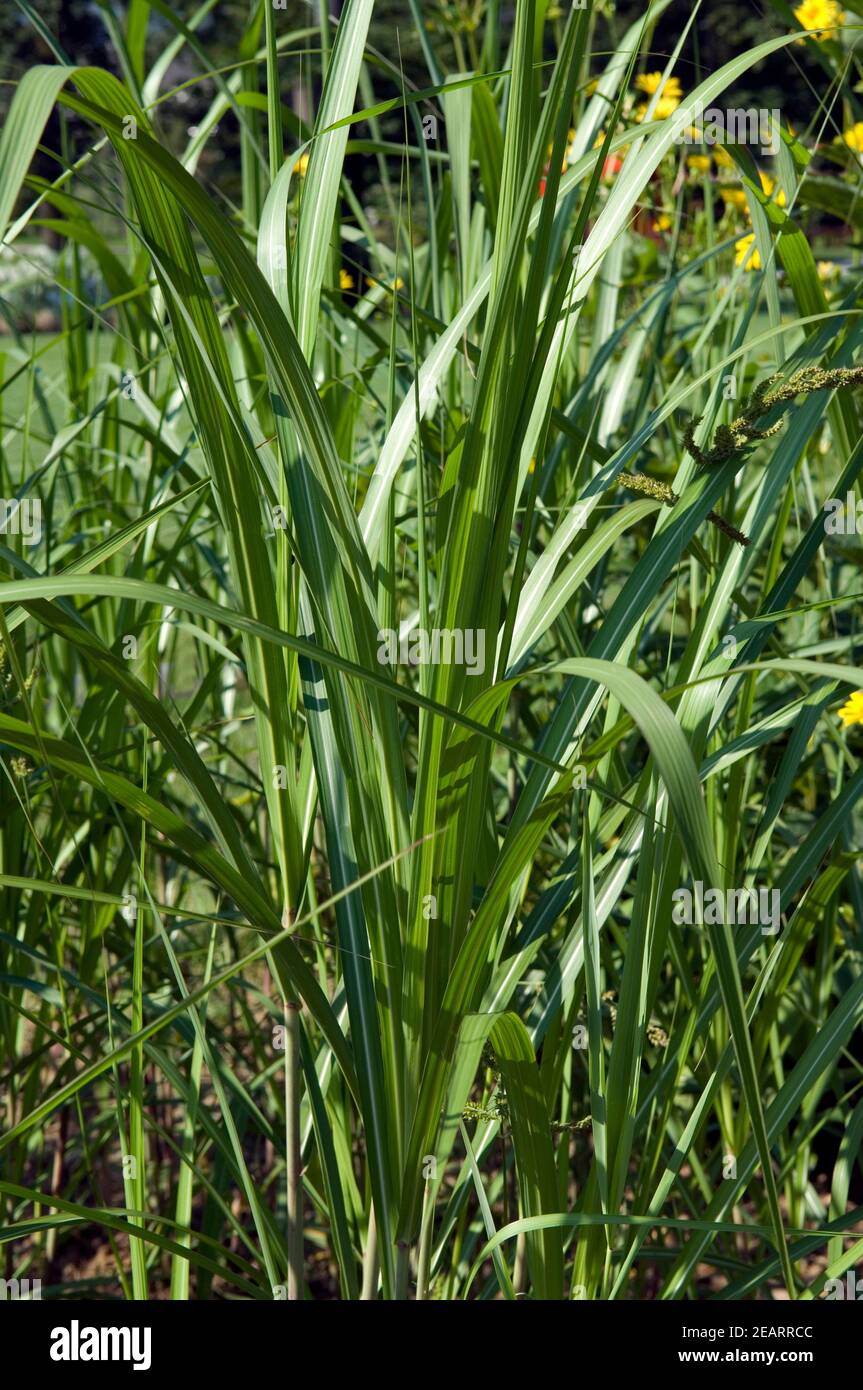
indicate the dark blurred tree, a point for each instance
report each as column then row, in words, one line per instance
column 76, row 24
column 721, row 31
column 82, row 30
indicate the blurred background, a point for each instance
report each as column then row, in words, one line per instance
column 797, row 80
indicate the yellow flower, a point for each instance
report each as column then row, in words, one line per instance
column 665, row 107
column 823, row 15
column 852, row 711
column 302, row 165
column 767, row 186
column 827, row 270
column 747, row 253
column 853, row 138
column 531, row 467
column 698, row 163
column 737, row 198
column 346, row 280
column 663, row 222
column 397, row 284
column 722, row 157
column 649, row 82
column 566, row 154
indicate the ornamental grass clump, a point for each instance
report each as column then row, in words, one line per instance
column 330, row 972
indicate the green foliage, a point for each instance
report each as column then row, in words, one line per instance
column 360, row 738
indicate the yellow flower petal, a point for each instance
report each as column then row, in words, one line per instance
column 650, row 82
column 853, row 137
column 823, row 15
column 747, row 253
column 767, row 186
column 852, row 711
